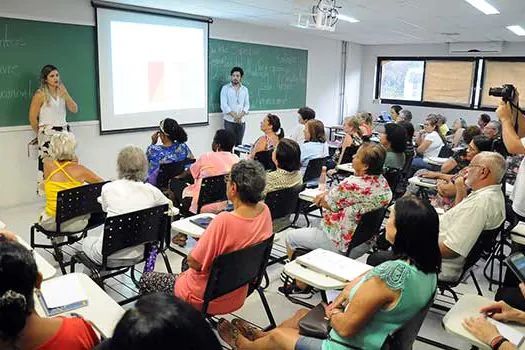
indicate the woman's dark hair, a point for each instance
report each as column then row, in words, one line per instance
column 250, row 178
column 237, row 69
column 417, row 226
column 44, row 72
column 433, row 120
column 485, row 118
column 161, row 321
column 306, row 113
column 483, row 143
column 397, row 136
column 224, row 139
column 396, row 108
column 316, row 131
column 470, row 132
column 288, row 155
column 409, row 127
column 173, row 130
column 275, row 122
column 373, row 155
column 18, row 276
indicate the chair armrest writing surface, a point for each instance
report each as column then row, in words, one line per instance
column 186, row 227
column 101, row 310
column 416, row 181
column 312, row 278
column 345, row 167
column 469, row 306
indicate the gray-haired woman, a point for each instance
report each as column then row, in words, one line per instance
column 249, row 223
column 127, row 194
column 62, row 172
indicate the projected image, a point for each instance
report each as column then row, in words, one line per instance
column 156, row 68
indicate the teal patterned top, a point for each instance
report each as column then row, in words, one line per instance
column 415, row 287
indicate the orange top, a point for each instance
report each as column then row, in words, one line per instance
column 74, row 334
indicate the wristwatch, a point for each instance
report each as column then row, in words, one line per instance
column 496, row 342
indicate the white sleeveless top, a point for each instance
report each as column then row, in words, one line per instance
column 53, row 113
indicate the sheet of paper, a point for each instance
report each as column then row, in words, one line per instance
column 513, row 335
column 334, row 265
column 311, row 192
column 62, row 291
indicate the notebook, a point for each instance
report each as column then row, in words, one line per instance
column 311, row 193
column 62, row 294
column 333, row 264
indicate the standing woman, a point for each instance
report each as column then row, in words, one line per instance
column 47, row 113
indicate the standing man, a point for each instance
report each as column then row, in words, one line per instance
column 235, row 104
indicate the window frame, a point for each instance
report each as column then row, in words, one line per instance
column 477, row 60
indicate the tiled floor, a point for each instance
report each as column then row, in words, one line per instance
column 20, row 219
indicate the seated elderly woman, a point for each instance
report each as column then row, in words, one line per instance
column 373, row 305
column 273, row 133
column 63, row 172
column 287, row 159
column 393, row 138
column 248, row 224
column 172, row 149
column 127, row 194
column 314, row 145
column 429, row 143
column 459, row 128
column 344, row 206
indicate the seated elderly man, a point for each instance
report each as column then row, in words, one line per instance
column 127, row 194
column 461, row 226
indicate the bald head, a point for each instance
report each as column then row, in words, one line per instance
column 492, row 161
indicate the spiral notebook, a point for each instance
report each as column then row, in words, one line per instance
column 62, row 294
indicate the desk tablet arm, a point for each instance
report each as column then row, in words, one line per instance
column 82, row 258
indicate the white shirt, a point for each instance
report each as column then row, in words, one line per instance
column 435, row 147
column 53, row 112
column 121, row 197
column 518, row 194
column 298, row 134
column 235, row 100
column 460, row 227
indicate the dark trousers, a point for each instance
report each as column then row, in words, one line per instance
column 237, row 129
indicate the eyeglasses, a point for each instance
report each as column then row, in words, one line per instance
column 227, row 177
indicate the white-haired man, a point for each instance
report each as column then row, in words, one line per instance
column 483, row 209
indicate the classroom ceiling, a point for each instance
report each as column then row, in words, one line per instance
column 381, row 21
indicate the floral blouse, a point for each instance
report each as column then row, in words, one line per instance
column 159, row 154
column 348, row 201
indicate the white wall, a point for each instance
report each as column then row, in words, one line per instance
column 99, row 152
column 368, row 75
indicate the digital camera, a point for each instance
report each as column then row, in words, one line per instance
column 507, row 92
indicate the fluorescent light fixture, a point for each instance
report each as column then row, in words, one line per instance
column 347, row 19
column 518, row 30
column 484, row 7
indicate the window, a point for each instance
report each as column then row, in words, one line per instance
column 402, row 80
column 449, row 82
column 497, row 73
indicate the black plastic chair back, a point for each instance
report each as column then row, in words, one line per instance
column 445, row 152
column 313, row 169
column 348, row 154
column 135, row 228
column 485, row 243
column 168, row 171
column 369, row 226
column 234, row 270
column 213, row 190
column 392, row 176
column 265, row 158
column 404, row 337
column 79, row 201
column 283, row 202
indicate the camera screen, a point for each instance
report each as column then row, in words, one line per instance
column 519, row 262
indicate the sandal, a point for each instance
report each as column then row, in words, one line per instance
column 180, row 239
column 247, row 329
column 228, row 333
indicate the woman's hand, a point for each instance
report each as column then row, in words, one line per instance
column 501, row 311
column 481, row 328
column 155, row 137
column 62, row 91
column 320, row 200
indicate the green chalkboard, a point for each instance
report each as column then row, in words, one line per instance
column 26, row 46
column 275, row 76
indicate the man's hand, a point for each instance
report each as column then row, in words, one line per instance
column 505, row 112
column 430, row 175
column 501, row 311
column 481, row 328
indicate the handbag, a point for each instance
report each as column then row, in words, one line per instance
column 315, row 324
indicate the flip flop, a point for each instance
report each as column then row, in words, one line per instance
column 228, row 333
column 180, row 239
column 246, row 329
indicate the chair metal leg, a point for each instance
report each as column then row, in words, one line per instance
column 475, row 283
column 133, row 278
column 59, row 256
column 267, row 309
column 166, row 261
